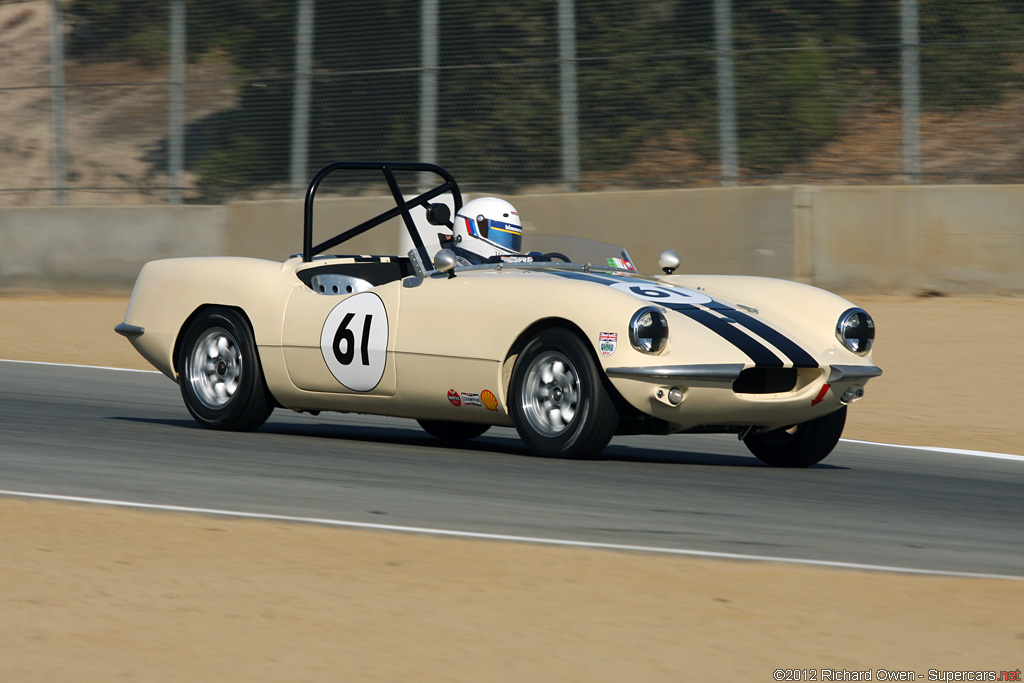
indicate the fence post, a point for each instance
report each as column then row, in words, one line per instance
column 57, row 112
column 300, row 104
column 910, row 39
column 570, row 105
column 727, row 137
column 428, row 87
column 176, row 114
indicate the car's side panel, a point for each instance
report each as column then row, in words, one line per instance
column 455, row 334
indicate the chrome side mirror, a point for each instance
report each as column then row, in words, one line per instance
column 445, row 262
column 668, row 261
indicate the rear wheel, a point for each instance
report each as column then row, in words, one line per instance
column 219, row 372
column 559, row 402
column 453, row 431
column 800, row 445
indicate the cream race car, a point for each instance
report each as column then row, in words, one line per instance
column 560, row 338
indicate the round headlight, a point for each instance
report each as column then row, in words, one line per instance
column 856, row 330
column 648, row 330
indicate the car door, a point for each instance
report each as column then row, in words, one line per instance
column 342, row 343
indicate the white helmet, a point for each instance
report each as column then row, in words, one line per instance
column 488, row 227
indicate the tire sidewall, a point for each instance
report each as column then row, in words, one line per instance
column 247, row 408
column 589, row 431
column 810, row 444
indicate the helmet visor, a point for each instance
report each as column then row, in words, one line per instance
column 506, row 235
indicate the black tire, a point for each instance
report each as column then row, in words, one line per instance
column 219, row 372
column 558, row 400
column 453, row 431
column 801, row 445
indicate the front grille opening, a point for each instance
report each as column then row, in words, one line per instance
column 765, row 381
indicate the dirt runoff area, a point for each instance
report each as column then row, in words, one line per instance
column 101, row 594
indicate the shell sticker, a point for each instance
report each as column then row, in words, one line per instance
column 489, row 400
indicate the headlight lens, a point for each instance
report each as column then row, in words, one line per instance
column 856, row 330
column 648, row 330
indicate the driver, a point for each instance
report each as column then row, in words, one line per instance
column 487, row 230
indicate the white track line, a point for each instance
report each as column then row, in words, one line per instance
column 505, row 537
column 937, row 449
column 71, row 365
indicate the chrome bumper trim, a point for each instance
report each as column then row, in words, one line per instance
column 130, row 331
column 713, row 372
column 853, row 373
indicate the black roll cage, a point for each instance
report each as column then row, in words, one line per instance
column 402, row 206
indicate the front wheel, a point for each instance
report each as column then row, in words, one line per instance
column 558, row 399
column 219, row 372
column 800, row 445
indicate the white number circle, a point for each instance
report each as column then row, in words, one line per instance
column 661, row 294
column 354, row 341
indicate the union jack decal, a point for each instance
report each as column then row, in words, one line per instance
column 606, row 343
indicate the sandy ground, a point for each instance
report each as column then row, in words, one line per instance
column 98, row 594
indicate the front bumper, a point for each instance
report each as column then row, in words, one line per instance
column 690, row 396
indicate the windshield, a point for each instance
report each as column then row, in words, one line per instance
column 579, row 250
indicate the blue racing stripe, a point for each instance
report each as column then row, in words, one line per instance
column 800, row 358
column 758, row 352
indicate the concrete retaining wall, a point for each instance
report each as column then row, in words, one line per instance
column 955, row 239
column 101, row 248
column 959, row 239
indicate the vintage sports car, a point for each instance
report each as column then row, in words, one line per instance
column 560, row 338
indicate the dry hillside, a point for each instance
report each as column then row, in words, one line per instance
column 117, row 127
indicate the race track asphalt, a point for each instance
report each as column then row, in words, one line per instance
column 126, row 436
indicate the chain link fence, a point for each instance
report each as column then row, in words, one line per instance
column 153, row 101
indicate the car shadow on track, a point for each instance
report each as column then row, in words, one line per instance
column 497, row 444
column 702, row 458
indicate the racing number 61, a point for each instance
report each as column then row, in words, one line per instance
column 354, row 341
column 665, row 295
column 651, row 293
column 344, row 334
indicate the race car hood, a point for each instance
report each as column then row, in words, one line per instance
column 753, row 321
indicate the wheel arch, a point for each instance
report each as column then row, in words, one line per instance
column 175, row 354
column 253, row 403
column 512, row 355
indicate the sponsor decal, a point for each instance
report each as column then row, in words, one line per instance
column 607, row 341
column 489, row 400
column 517, row 259
column 620, row 263
column 453, row 397
column 470, row 399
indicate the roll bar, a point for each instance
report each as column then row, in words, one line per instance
column 402, row 206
